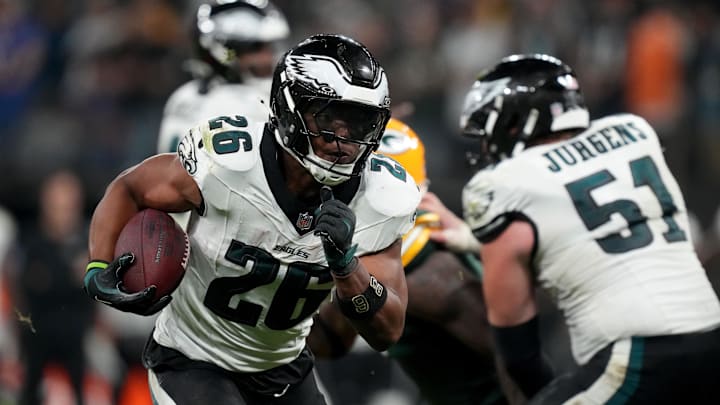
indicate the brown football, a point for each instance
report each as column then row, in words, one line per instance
column 161, row 251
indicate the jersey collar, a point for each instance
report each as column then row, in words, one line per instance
column 300, row 213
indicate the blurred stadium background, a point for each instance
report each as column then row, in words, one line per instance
column 83, row 83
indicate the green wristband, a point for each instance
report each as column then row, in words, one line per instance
column 96, row 264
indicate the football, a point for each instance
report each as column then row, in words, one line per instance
column 161, row 251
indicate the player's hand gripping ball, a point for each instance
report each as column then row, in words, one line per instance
column 151, row 256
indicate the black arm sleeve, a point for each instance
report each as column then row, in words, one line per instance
column 519, row 347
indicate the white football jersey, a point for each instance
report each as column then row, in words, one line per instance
column 612, row 236
column 256, row 272
column 187, row 106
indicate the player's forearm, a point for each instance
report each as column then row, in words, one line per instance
column 331, row 335
column 376, row 311
column 385, row 327
column 111, row 214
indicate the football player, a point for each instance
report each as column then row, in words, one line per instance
column 282, row 212
column 445, row 347
column 591, row 212
column 235, row 43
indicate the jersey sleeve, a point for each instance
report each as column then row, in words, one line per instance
column 386, row 209
column 490, row 203
column 193, row 156
column 215, row 151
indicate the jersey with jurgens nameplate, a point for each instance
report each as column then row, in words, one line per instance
column 613, row 241
column 256, row 272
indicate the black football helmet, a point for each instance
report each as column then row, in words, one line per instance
column 330, row 76
column 226, row 29
column 522, row 99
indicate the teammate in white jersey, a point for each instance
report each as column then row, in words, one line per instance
column 283, row 212
column 234, row 47
column 591, row 212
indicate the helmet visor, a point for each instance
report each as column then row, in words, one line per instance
column 348, row 121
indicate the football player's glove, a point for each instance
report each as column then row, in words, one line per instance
column 103, row 283
column 336, row 226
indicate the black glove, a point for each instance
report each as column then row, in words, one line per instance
column 336, row 226
column 103, row 283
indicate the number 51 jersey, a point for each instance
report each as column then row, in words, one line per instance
column 612, row 236
column 256, row 272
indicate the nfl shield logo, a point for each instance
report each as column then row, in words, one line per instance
column 304, row 221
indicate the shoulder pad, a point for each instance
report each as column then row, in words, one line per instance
column 624, row 118
column 636, row 124
column 641, row 124
column 389, row 188
column 231, row 143
column 489, row 204
column 225, row 99
column 477, row 197
column 183, row 101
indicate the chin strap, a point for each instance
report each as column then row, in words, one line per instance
column 318, row 166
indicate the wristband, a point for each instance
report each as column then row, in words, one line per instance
column 96, row 264
column 92, row 269
column 364, row 306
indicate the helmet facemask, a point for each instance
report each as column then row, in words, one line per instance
column 317, row 94
column 339, row 122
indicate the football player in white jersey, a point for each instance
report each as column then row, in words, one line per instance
column 235, row 43
column 591, row 212
column 444, row 349
column 283, row 212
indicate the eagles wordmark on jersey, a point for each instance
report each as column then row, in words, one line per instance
column 285, row 207
column 253, row 311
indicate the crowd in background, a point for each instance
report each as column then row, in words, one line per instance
column 83, row 84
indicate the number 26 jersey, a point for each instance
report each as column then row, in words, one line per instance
column 612, row 236
column 256, row 272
